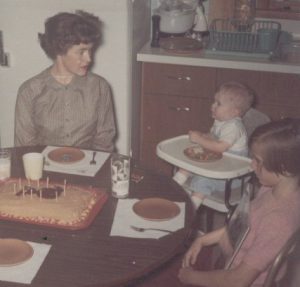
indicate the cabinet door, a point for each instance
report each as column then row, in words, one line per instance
column 165, row 117
column 249, row 78
column 277, row 94
column 178, row 80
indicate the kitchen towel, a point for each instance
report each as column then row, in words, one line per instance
column 26, row 271
column 82, row 167
column 125, row 217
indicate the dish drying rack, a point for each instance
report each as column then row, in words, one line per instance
column 234, row 35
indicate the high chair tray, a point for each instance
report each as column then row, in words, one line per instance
column 228, row 166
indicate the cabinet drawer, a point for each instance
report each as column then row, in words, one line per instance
column 168, row 116
column 178, row 80
column 279, row 88
column 276, row 112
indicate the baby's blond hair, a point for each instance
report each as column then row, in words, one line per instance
column 239, row 95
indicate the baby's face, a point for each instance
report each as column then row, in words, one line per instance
column 222, row 108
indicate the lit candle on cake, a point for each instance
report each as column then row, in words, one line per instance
column 15, row 191
column 30, row 193
column 55, row 195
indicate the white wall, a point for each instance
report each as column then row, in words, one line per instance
column 21, row 20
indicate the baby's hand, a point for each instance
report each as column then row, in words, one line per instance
column 195, row 136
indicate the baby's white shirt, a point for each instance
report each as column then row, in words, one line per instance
column 233, row 132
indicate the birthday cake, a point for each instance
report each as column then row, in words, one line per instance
column 59, row 205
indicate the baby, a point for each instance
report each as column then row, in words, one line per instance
column 232, row 100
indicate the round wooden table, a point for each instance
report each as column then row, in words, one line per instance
column 91, row 257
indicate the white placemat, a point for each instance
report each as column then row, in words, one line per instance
column 25, row 272
column 82, row 167
column 125, row 217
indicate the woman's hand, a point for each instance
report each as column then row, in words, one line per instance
column 190, row 257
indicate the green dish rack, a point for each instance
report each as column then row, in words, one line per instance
column 233, row 35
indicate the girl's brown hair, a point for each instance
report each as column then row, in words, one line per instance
column 64, row 30
column 280, row 145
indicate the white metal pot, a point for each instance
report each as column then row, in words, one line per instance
column 176, row 21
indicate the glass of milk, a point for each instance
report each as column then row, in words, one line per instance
column 5, row 163
column 33, row 165
column 120, row 175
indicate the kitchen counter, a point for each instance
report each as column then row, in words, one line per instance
column 204, row 58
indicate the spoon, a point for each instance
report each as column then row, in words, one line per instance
column 93, row 159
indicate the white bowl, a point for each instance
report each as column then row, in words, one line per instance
column 176, row 22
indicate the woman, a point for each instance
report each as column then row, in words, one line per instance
column 66, row 105
column 274, row 213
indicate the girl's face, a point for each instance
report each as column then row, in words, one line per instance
column 265, row 177
column 77, row 60
column 222, row 109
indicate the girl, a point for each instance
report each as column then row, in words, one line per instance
column 274, row 213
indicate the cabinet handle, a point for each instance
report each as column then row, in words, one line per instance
column 179, row 109
column 179, row 78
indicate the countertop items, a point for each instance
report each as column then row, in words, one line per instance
column 205, row 58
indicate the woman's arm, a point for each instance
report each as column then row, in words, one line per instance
column 106, row 128
column 25, row 132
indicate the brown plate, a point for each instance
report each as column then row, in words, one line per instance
column 156, row 209
column 66, row 155
column 196, row 153
column 14, row 251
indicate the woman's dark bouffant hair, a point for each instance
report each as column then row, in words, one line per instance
column 280, row 146
column 64, row 30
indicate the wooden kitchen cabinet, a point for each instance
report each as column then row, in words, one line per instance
column 276, row 94
column 175, row 99
column 281, row 9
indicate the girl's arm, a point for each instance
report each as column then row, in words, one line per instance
column 241, row 276
column 204, row 240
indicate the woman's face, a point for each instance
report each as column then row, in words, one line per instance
column 265, row 177
column 77, row 60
